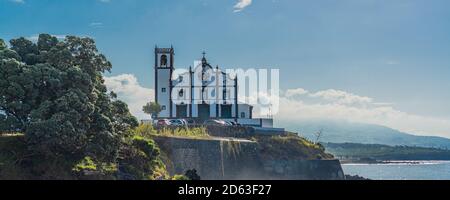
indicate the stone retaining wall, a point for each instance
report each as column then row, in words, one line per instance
column 218, row 159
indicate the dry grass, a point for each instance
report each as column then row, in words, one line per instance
column 147, row 130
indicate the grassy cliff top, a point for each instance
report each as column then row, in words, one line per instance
column 291, row 147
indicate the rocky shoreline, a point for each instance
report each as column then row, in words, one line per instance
column 372, row 161
column 355, row 178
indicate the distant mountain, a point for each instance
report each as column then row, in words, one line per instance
column 346, row 132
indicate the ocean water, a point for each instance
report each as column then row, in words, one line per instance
column 412, row 170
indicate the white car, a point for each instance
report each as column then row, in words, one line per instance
column 177, row 122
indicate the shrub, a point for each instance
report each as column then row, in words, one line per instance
column 148, row 146
column 290, row 147
column 86, row 164
column 145, row 130
column 140, row 160
column 180, row 178
column 88, row 168
column 196, row 132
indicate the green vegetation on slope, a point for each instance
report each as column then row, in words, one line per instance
column 291, row 147
column 385, row 152
column 139, row 160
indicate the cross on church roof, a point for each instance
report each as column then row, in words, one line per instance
column 204, row 53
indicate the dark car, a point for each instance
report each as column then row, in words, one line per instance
column 215, row 122
column 234, row 123
column 190, row 121
column 177, row 122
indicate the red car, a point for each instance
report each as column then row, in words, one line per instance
column 163, row 122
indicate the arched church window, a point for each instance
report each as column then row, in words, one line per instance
column 181, row 93
column 163, row 60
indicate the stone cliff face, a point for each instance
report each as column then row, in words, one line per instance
column 219, row 159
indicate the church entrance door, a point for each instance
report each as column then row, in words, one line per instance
column 203, row 111
column 226, row 111
column 181, row 111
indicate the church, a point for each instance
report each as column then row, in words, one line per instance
column 202, row 92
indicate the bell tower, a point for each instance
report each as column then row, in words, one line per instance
column 164, row 62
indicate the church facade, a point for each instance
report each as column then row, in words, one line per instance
column 202, row 92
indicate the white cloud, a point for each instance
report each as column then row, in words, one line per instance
column 128, row 89
column 35, row 38
column 341, row 97
column 296, row 92
column 105, row 1
column 96, row 24
column 241, row 4
column 340, row 105
column 392, row 62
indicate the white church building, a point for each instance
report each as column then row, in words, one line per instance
column 200, row 93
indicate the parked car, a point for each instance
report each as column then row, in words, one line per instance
column 163, row 122
column 177, row 122
column 215, row 122
column 229, row 123
column 234, row 123
column 184, row 122
column 190, row 122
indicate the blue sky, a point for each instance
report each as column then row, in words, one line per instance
column 394, row 52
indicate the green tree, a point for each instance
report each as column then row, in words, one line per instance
column 54, row 92
column 152, row 108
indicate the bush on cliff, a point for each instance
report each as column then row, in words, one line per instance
column 290, row 147
column 140, row 159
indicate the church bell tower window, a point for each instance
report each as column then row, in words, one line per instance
column 163, row 61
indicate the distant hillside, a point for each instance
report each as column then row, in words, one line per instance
column 385, row 152
column 345, row 132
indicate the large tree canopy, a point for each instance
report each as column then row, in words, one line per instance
column 53, row 91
